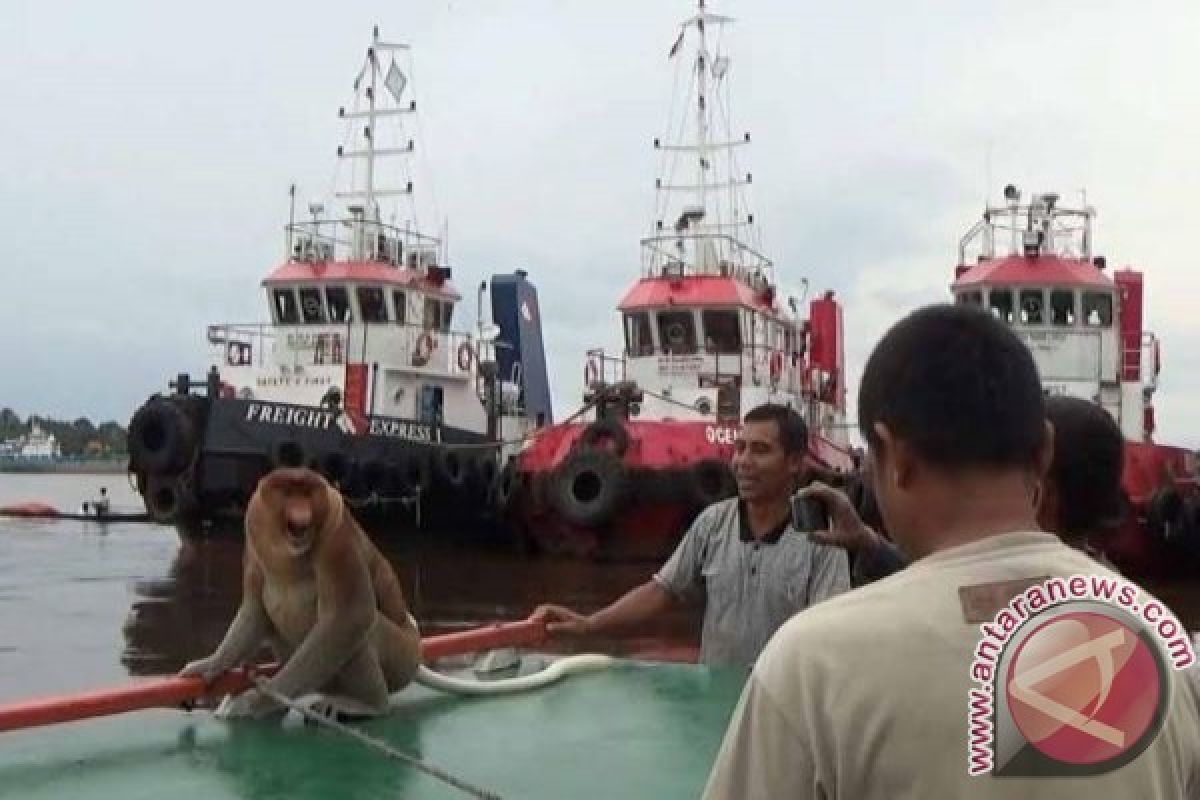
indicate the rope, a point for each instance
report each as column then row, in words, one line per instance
column 377, row 745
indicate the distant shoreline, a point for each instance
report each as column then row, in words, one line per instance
column 89, row 466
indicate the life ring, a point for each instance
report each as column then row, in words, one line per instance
column 426, row 344
column 710, row 481
column 605, row 429
column 776, row 366
column 591, row 373
column 590, row 487
column 161, row 437
column 465, row 356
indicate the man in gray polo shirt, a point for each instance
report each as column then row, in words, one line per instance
column 741, row 555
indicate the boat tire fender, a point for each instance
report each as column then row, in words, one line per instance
column 1163, row 511
column 486, row 470
column 417, row 472
column 161, row 437
column 465, row 356
column 602, row 430
column 589, row 487
column 505, row 486
column 710, row 481
column 166, row 499
column 451, row 467
column 288, row 453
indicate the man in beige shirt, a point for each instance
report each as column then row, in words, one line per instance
column 866, row 695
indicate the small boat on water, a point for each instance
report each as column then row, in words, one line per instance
column 1033, row 265
column 87, row 512
column 361, row 372
column 709, row 334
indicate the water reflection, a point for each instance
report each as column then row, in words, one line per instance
column 183, row 614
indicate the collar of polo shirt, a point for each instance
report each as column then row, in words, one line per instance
column 746, row 535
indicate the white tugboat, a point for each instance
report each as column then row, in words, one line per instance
column 361, row 371
column 708, row 336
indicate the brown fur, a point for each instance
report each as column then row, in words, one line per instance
column 321, row 594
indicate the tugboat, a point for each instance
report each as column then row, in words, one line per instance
column 1035, row 269
column 707, row 337
column 360, row 372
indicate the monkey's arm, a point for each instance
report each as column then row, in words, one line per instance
column 246, row 633
column 345, row 614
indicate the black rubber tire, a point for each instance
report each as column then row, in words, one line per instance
column 161, row 437
column 590, row 487
column 710, row 481
column 485, row 471
column 505, row 486
column 334, row 466
column 288, row 453
column 451, row 467
column 595, row 436
column 374, row 477
column 417, row 471
column 1164, row 506
column 166, row 499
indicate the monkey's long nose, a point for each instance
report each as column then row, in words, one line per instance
column 299, row 518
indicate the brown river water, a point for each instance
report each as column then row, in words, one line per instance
column 85, row 605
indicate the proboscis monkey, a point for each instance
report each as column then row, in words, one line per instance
column 319, row 592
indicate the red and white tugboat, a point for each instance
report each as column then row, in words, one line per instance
column 1035, row 269
column 707, row 337
column 360, row 372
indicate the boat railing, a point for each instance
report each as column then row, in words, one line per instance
column 390, row 345
column 357, row 239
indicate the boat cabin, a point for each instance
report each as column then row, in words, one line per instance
column 1083, row 327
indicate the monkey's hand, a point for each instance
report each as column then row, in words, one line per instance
column 250, row 704
column 207, row 669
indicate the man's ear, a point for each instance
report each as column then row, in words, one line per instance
column 1046, row 452
column 898, row 463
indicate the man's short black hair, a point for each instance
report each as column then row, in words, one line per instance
column 1089, row 456
column 958, row 387
column 793, row 432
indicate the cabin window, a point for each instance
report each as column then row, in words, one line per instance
column 433, row 314
column 398, row 300
column 447, row 314
column 1000, row 301
column 721, row 332
column 639, row 340
column 1033, row 303
column 338, row 300
column 970, row 298
column 286, row 310
column 311, row 306
column 1097, row 309
column 677, row 332
column 431, row 407
column 371, row 304
column 1062, row 307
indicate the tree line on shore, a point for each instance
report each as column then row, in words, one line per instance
column 80, row 437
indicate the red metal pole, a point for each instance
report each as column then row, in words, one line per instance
column 171, row 692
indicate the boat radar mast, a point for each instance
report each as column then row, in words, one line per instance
column 379, row 98
column 702, row 226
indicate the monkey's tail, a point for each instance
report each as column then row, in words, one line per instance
column 565, row 666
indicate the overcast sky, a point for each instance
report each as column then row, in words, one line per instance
column 146, row 149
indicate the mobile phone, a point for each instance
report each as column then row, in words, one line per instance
column 809, row 514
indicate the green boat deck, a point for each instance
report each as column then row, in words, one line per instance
column 638, row 730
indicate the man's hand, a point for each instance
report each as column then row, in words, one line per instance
column 560, row 619
column 846, row 529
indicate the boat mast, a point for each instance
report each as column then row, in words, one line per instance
column 701, row 114
column 369, row 200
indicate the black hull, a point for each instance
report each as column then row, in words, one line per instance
column 197, row 459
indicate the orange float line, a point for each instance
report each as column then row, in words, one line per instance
column 174, row 692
